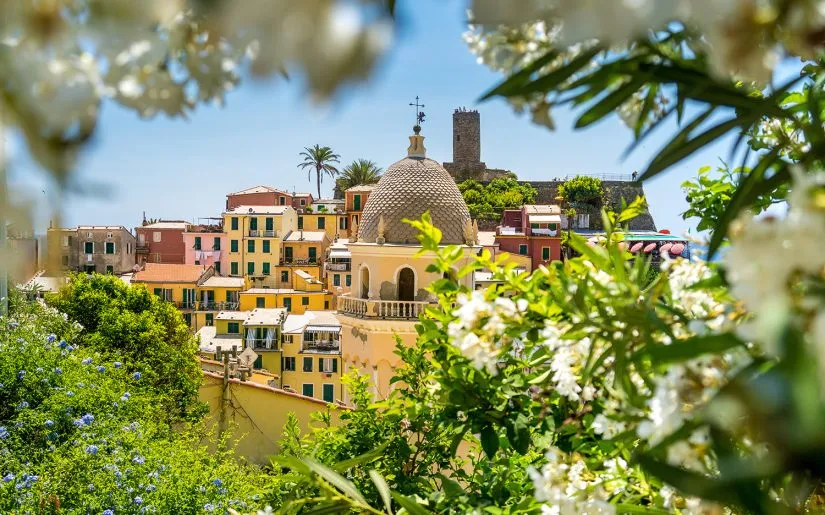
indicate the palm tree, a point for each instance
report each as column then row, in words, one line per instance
column 321, row 159
column 360, row 171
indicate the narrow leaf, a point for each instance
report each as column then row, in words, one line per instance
column 412, row 507
column 682, row 350
column 383, row 490
column 609, row 103
column 336, row 480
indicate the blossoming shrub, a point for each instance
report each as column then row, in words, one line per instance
column 82, row 433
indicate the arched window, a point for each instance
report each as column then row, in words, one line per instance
column 406, row 284
column 365, row 283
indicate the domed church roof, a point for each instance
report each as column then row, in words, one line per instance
column 409, row 188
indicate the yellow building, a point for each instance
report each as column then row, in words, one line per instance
column 292, row 300
column 305, row 247
column 217, row 294
column 332, row 223
column 175, row 283
column 389, row 278
column 255, row 235
column 338, row 268
column 300, row 353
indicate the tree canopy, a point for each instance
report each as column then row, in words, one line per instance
column 488, row 202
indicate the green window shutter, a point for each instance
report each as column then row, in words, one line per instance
column 197, row 242
column 336, row 280
column 534, row 226
column 349, row 280
column 210, row 319
column 305, row 301
column 522, row 249
column 158, row 292
column 89, row 247
column 300, row 222
column 253, row 223
column 284, row 276
column 233, row 246
column 110, row 247
column 322, row 222
column 288, row 253
column 269, row 223
column 234, row 223
column 313, row 253
column 356, row 203
column 552, row 227
column 329, row 393
column 260, row 302
column 320, row 364
column 266, row 269
column 307, row 364
column 266, row 246
column 233, row 268
column 288, row 304
column 545, row 253
column 250, row 268
column 218, row 267
column 232, row 328
column 216, row 243
column 308, row 390
column 250, row 246
column 334, row 365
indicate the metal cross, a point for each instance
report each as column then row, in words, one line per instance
column 419, row 115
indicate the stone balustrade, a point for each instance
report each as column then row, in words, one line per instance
column 374, row 308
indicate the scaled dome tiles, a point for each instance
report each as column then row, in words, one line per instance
column 409, row 188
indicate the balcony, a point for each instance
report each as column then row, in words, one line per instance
column 322, row 347
column 339, row 267
column 543, row 232
column 256, row 233
column 217, row 306
column 142, row 248
column 298, row 262
column 385, row 309
column 190, row 304
column 263, row 344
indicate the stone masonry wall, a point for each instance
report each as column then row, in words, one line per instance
column 466, row 136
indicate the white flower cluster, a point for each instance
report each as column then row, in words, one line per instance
column 697, row 303
column 767, row 254
column 568, row 487
column 478, row 330
column 567, row 360
column 743, row 34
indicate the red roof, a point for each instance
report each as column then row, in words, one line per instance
column 169, row 273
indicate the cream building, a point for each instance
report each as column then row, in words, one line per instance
column 389, row 279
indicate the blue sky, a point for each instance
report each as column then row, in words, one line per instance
column 183, row 169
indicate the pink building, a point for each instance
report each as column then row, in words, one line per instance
column 533, row 231
column 207, row 246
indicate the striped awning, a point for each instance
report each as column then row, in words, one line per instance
column 322, row 329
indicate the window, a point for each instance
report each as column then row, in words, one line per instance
column 349, row 280
column 458, row 137
column 250, row 268
column 234, row 223
column 284, row 276
column 356, row 202
column 522, row 249
column 326, row 305
column 90, row 269
column 156, row 236
column 582, row 221
column 65, row 260
column 218, row 267
column 110, row 247
column 303, row 202
column 110, row 269
column 233, row 246
column 142, row 238
column 282, row 200
column 158, row 292
column 307, row 364
column 197, row 243
column 322, row 222
column 552, row 227
column 288, row 254
column 260, row 302
column 336, row 280
column 300, row 222
column 250, row 246
column 270, row 223
column 328, row 365
column 329, row 393
column 253, row 223
column 89, row 247
column 233, row 328
column 187, row 317
column 534, row 226
column 233, row 268
column 313, row 254
column 545, row 253
column 128, row 248
column 67, row 240
column 210, row 319
column 305, row 301
column 288, row 304
column 266, row 246
column 342, row 222
column 289, row 363
column 216, row 243
column 308, row 389
column 266, row 269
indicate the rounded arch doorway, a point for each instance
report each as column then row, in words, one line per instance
column 365, row 282
column 406, row 284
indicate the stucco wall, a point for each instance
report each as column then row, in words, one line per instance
column 256, row 414
column 170, row 248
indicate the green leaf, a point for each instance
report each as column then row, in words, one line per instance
column 609, row 103
column 383, row 490
column 489, row 441
column 336, row 480
column 412, row 507
column 683, row 350
column 367, row 457
column 335, row 507
column 541, row 378
column 450, row 486
column 520, row 78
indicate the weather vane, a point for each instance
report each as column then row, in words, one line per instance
column 419, row 114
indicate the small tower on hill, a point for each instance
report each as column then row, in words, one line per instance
column 466, row 137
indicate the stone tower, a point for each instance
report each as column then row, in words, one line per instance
column 466, row 136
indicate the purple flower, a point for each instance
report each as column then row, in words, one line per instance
column 209, row 507
column 62, row 344
column 118, row 364
column 151, row 488
column 8, row 478
column 125, row 396
column 38, row 369
column 51, row 338
column 23, row 405
column 91, row 449
column 14, row 325
column 90, row 488
column 70, row 394
column 138, row 500
column 21, row 374
column 136, row 375
column 58, row 370
column 49, row 423
column 217, row 482
column 87, row 361
column 138, row 459
column 4, row 433
column 88, row 418
column 78, row 423
column 108, row 512
column 101, row 368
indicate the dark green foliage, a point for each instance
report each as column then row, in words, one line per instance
column 132, row 325
column 488, row 202
column 582, row 190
